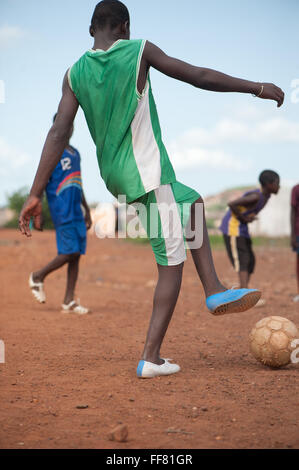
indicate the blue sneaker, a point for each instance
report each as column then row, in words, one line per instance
column 233, row 301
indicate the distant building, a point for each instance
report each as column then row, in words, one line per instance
column 275, row 219
column 5, row 216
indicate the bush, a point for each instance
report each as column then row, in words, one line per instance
column 15, row 203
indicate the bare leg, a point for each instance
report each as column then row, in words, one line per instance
column 56, row 263
column 72, row 276
column 203, row 258
column 244, row 277
column 165, row 299
column 298, row 272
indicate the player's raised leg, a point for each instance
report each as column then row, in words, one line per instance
column 202, row 256
column 219, row 300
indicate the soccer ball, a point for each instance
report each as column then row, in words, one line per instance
column 270, row 341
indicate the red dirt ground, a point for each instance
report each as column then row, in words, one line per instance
column 221, row 399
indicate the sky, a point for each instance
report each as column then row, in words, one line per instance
column 215, row 140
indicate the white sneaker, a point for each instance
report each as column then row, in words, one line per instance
column 37, row 289
column 148, row 370
column 296, row 299
column 75, row 307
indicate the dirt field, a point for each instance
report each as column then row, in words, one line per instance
column 56, row 362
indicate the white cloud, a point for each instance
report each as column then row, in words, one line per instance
column 278, row 130
column 248, row 112
column 203, row 147
column 232, row 130
column 186, row 157
column 11, row 158
column 8, row 34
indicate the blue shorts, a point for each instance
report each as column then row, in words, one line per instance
column 297, row 251
column 71, row 238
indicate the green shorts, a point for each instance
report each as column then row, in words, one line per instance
column 164, row 214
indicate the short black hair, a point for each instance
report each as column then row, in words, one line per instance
column 268, row 177
column 109, row 12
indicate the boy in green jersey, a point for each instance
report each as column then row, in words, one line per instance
column 112, row 85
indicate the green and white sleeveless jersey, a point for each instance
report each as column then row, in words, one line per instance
column 123, row 124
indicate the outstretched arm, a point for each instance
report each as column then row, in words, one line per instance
column 55, row 144
column 207, row 79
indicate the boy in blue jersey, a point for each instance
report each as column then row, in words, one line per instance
column 65, row 196
column 234, row 226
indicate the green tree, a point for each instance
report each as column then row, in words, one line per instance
column 15, row 203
